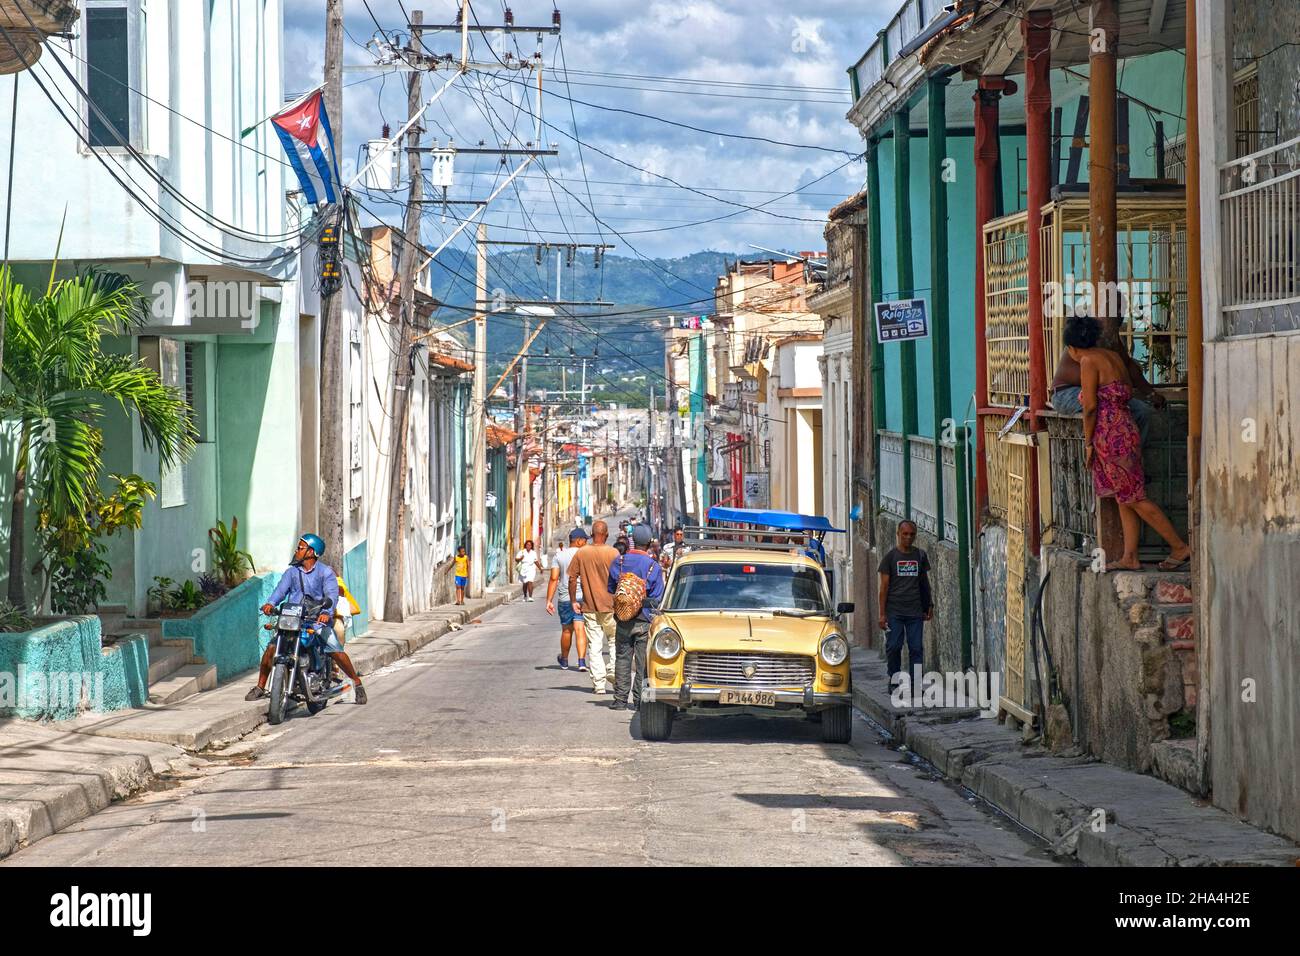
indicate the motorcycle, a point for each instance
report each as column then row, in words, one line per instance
column 303, row 671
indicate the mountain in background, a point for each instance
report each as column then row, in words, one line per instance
column 628, row 358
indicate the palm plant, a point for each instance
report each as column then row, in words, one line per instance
column 56, row 381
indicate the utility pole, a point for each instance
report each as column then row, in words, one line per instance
column 478, row 478
column 395, row 552
column 521, row 462
column 333, row 412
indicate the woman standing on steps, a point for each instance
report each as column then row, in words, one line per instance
column 1113, row 448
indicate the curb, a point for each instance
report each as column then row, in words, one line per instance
column 991, row 762
column 47, row 810
column 91, row 788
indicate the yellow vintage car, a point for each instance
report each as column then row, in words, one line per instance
column 742, row 629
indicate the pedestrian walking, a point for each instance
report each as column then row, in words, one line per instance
column 529, row 563
column 589, row 580
column 637, row 584
column 560, row 597
column 905, row 603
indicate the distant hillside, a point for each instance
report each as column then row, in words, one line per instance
column 629, row 346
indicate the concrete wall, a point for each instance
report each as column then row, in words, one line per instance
column 1249, row 565
column 217, row 63
column 112, row 679
column 228, row 632
column 1106, row 663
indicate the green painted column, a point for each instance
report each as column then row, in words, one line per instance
column 941, row 351
column 876, row 293
column 905, row 289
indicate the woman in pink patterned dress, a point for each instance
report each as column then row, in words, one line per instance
column 1113, row 448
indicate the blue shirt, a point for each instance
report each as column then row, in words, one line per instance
column 647, row 569
column 321, row 584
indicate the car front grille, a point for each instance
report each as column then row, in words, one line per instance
column 728, row 669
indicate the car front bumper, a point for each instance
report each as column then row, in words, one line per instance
column 687, row 694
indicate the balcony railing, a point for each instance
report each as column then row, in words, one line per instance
column 892, row 492
column 925, row 510
column 1259, row 206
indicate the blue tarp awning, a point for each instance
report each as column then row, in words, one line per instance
column 783, row 520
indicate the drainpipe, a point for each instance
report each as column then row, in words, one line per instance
column 1037, row 32
column 906, row 282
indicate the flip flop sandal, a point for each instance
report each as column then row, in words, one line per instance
column 1169, row 564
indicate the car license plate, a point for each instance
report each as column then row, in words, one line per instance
column 754, row 698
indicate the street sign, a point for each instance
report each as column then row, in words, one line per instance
column 901, row 320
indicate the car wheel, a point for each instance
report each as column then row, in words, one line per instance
column 837, row 724
column 656, row 721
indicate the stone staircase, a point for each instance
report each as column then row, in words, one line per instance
column 174, row 672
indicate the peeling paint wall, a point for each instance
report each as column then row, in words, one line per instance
column 1250, row 660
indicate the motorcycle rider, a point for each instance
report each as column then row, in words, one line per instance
column 319, row 581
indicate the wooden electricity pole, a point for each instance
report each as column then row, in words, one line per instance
column 394, row 565
column 478, row 408
column 332, row 421
column 515, row 539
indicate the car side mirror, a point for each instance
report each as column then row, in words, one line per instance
column 844, row 607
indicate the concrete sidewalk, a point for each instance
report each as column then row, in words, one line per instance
column 53, row 775
column 1147, row 822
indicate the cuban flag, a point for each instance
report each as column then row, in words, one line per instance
column 304, row 130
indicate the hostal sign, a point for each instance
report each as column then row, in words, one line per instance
column 901, row 320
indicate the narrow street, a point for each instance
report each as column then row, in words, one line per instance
column 481, row 750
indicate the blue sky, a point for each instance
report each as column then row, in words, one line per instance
column 719, row 42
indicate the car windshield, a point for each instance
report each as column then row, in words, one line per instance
column 710, row 586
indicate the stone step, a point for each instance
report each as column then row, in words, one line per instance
column 184, row 682
column 166, row 659
column 1173, row 592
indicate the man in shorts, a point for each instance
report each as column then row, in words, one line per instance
column 558, row 599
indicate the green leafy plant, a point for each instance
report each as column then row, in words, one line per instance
column 187, row 597
column 54, row 383
column 1182, row 725
column 73, row 548
column 227, row 559
column 157, row 594
column 13, row 618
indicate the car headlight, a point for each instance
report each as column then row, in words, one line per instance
column 668, row 643
column 835, row 649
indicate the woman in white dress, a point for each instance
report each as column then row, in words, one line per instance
column 529, row 564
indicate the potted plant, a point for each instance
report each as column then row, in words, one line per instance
column 230, row 563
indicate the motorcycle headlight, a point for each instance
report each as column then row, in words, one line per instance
column 668, row 643
column 835, row 649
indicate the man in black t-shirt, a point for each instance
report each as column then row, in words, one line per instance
column 905, row 602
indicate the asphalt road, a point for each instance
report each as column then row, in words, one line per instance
column 481, row 750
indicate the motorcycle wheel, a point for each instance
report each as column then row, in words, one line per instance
column 279, row 694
